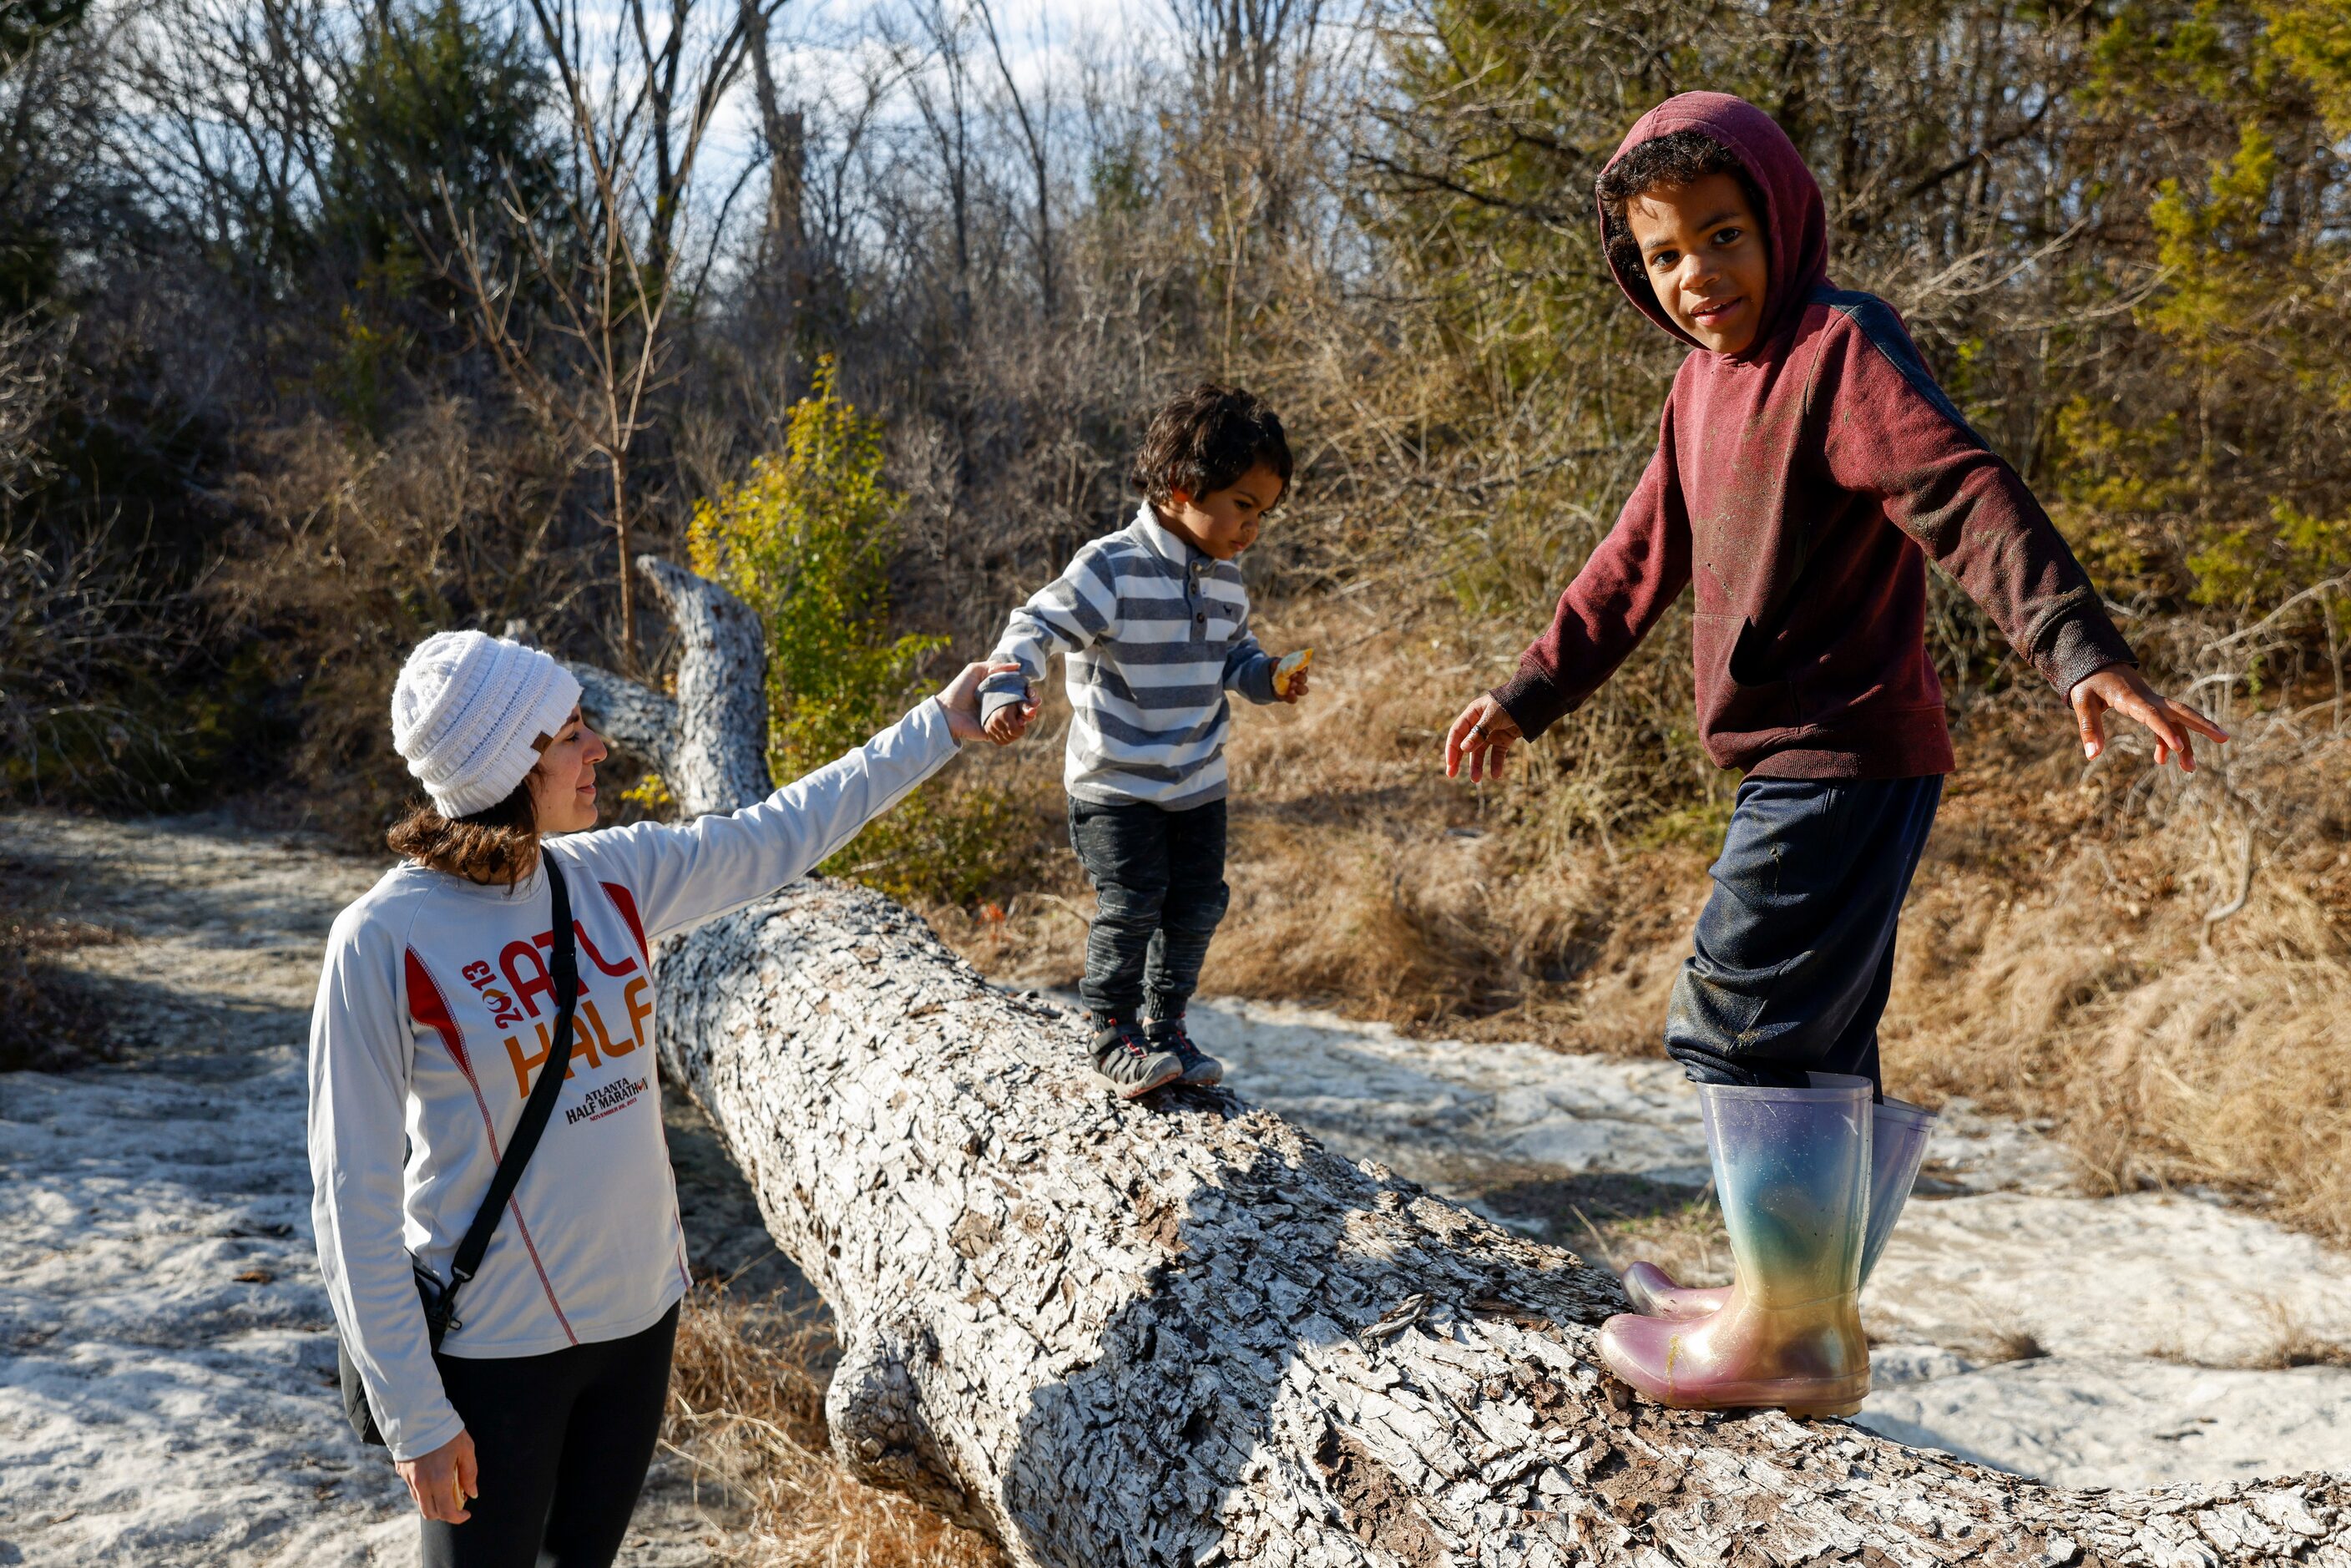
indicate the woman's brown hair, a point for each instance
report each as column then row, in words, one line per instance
column 496, row 844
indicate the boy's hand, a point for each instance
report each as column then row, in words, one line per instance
column 2126, row 690
column 1484, row 733
column 1297, row 688
column 961, row 701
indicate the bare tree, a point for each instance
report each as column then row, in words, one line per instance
column 1032, row 136
column 783, row 236
column 225, row 116
column 576, row 305
column 605, row 310
column 658, row 94
column 940, row 87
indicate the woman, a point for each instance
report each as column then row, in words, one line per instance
column 525, row 1438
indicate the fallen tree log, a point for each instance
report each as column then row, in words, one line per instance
column 1183, row 1333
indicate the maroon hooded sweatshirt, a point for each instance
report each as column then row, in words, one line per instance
column 1801, row 485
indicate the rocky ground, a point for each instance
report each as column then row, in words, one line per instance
column 166, row 1357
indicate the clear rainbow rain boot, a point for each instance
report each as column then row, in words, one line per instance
column 1897, row 1145
column 1792, row 1167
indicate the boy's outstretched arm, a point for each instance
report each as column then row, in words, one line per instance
column 1889, row 431
column 1068, row 615
column 1638, row 570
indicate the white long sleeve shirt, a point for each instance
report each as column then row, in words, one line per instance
column 433, row 1015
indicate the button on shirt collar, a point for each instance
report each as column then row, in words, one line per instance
column 1199, row 565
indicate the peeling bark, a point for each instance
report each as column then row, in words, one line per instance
column 1185, row 1333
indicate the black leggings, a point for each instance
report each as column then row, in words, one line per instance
column 1159, row 892
column 563, row 1441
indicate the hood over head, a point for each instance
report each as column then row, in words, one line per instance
column 1795, row 225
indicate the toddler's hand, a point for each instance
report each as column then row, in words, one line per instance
column 1296, row 688
column 1009, row 723
column 961, row 701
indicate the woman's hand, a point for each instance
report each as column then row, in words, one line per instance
column 961, row 701
column 1484, row 733
column 2125, row 691
column 442, row 1480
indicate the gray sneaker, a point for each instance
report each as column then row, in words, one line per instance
column 1200, row 1069
column 1131, row 1064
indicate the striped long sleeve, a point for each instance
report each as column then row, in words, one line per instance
column 1068, row 615
column 1153, row 634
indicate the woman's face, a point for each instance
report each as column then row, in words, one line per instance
column 563, row 785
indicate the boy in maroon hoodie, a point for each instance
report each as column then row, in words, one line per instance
column 1806, row 465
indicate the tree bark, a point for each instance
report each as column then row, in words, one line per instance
column 710, row 743
column 1182, row 1333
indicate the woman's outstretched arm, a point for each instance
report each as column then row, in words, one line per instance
column 686, row 873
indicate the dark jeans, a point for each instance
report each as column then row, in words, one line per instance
column 1794, row 951
column 1159, row 891
column 563, row 1441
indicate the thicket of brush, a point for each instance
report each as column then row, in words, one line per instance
column 330, row 326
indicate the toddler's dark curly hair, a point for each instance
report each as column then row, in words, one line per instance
column 1674, row 161
column 1204, row 442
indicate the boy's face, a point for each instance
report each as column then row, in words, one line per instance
column 1702, row 248
column 1223, row 523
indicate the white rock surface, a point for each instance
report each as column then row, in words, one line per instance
column 164, row 1371
column 2089, row 1420
column 2153, row 1309
column 2157, row 1275
column 1450, row 1115
column 1446, row 1111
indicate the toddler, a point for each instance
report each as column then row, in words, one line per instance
column 1153, row 624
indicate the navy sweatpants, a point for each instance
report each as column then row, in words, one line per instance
column 1793, row 954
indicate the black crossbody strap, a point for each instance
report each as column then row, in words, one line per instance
column 544, row 1093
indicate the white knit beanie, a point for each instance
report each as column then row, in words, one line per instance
column 466, row 711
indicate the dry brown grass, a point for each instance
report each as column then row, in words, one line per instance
column 2061, row 958
column 1614, row 1220
column 747, row 1410
column 2056, row 960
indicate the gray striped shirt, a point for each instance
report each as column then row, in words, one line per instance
column 1154, row 633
